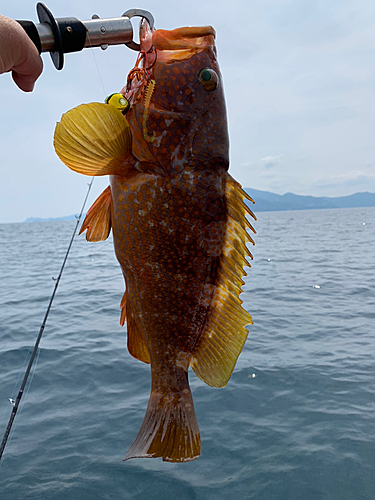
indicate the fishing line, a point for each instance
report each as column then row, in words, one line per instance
column 96, row 64
column 16, row 403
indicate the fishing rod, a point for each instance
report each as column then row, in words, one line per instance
column 17, row 401
column 62, row 35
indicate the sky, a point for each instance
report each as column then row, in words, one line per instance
column 299, row 84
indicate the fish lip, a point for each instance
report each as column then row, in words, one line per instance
column 192, row 32
column 190, row 37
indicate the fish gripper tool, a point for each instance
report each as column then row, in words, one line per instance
column 58, row 36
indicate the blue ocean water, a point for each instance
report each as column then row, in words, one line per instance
column 296, row 421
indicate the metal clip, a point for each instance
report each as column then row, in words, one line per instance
column 139, row 13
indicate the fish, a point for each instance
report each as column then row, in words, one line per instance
column 179, row 221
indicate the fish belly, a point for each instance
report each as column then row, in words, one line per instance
column 168, row 236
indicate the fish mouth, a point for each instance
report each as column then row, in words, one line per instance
column 182, row 43
column 184, row 38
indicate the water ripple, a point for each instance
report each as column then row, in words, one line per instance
column 295, row 421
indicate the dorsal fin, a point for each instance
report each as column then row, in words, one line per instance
column 224, row 334
column 98, row 218
column 93, row 139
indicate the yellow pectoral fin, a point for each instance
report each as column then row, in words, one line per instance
column 98, row 218
column 93, row 139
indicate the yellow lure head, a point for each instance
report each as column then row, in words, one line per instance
column 118, row 101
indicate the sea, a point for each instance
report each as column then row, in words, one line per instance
column 296, row 420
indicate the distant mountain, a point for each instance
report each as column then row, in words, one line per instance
column 270, row 202
column 50, row 219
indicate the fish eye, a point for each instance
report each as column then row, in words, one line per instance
column 208, row 79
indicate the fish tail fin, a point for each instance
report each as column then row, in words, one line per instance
column 169, row 429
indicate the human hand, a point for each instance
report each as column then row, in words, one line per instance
column 18, row 54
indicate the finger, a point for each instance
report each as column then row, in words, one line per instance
column 18, row 54
column 28, row 71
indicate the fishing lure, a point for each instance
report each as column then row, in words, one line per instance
column 118, row 101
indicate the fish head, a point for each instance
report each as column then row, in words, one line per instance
column 177, row 114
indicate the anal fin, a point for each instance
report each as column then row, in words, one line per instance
column 137, row 346
column 123, row 310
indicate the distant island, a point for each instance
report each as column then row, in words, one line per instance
column 50, row 219
column 271, row 202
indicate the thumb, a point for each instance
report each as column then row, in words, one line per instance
column 24, row 82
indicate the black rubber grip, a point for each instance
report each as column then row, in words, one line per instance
column 73, row 34
column 32, row 32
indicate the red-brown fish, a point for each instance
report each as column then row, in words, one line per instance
column 179, row 225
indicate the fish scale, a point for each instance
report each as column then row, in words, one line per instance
column 172, row 245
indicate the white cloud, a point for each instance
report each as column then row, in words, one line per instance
column 353, row 175
column 267, row 162
column 271, row 161
column 354, row 180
